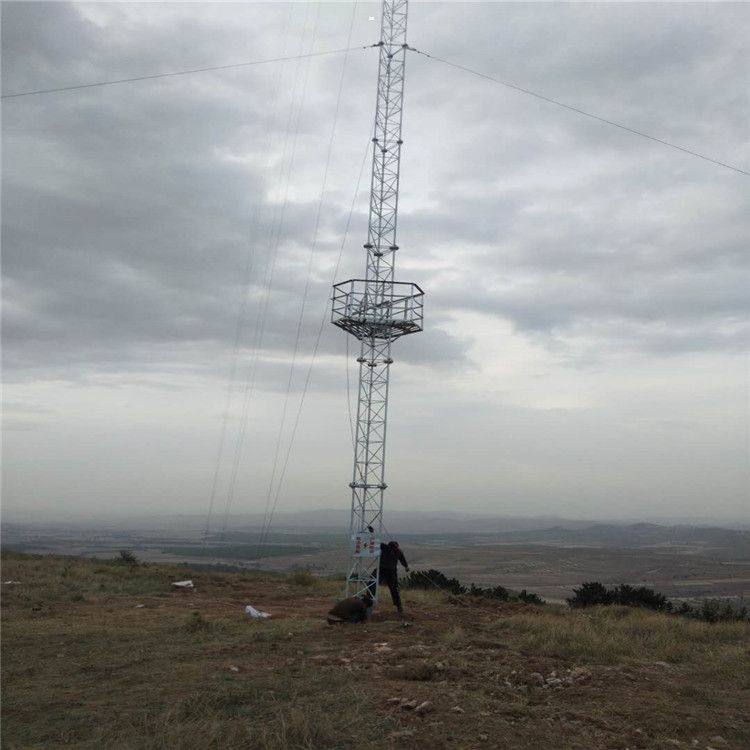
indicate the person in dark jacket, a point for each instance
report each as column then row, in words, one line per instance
column 390, row 556
column 352, row 610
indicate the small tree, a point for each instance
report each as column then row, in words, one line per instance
column 127, row 557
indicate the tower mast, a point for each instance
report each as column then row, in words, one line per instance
column 377, row 310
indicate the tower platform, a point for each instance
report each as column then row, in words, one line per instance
column 377, row 309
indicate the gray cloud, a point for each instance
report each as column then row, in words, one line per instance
column 129, row 211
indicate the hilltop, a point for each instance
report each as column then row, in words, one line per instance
column 100, row 654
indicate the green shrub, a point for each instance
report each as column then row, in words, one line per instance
column 642, row 596
column 593, row 593
column 590, row 594
column 715, row 610
column 429, row 579
column 528, row 598
column 494, row 592
column 126, row 557
column 434, row 579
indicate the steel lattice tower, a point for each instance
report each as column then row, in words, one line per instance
column 377, row 309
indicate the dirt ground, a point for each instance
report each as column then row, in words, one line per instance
column 101, row 655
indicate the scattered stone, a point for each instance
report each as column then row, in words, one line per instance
column 140, row 606
column 458, row 710
column 234, row 668
column 384, row 649
column 439, row 666
column 554, row 682
column 536, row 678
column 717, row 739
column 408, row 705
column 424, row 708
column 483, row 737
column 394, row 701
column 581, row 674
column 673, row 743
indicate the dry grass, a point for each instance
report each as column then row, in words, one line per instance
column 616, row 635
column 302, row 577
column 84, row 667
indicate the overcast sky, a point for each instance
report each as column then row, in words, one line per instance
column 586, row 328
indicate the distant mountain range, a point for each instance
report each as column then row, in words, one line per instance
column 636, row 535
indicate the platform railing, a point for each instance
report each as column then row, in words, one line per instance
column 378, row 309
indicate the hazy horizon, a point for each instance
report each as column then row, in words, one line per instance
column 586, row 314
column 331, row 518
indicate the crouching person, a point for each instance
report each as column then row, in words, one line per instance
column 352, row 610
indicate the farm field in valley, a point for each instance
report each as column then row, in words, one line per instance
column 682, row 562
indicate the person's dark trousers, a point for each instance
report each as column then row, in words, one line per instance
column 390, row 579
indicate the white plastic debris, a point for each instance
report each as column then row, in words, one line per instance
column 140, row 606
column 9, row 583
column 183, row 585
column 256, row 614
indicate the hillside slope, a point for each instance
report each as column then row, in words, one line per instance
column 106, row 655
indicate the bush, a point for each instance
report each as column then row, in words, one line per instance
column 642, row 597
column 429, row 579
column 715, row 610
column 593, row 593
column 432, row 579
column 530, row 598
column 495, row 592
column 126, row 557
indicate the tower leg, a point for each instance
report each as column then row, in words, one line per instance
column 368, row 482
